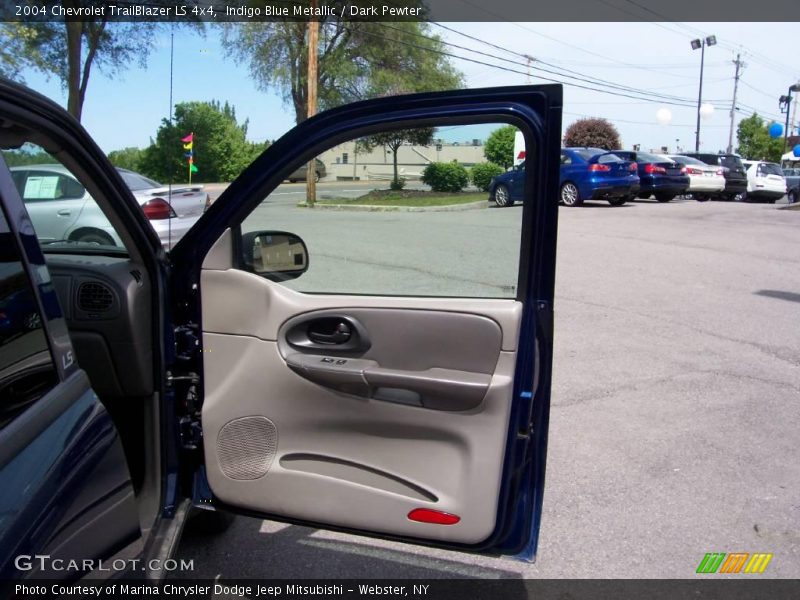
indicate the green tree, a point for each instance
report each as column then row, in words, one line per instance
column 499, row 147
column 357, row 60
column 69, row 50
column 593, row 133
column 28, row 154
column 221, row 150
column 754, row 141
column 393, row 140
column 127, row 158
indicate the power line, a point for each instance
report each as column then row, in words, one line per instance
column 568, row 73
column 674, row 101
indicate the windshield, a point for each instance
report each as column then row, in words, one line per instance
column 688, row 160
column 136, row 182
column 732, row 162
column 590, row 153
column 648, row 158
column 769, row 169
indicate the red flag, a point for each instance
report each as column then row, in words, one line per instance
column 189, row 138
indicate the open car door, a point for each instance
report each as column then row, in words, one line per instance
column 384, row 373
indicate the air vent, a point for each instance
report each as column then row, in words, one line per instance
column 95, row 297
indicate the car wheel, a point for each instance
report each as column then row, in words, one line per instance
column 316, row 176
column 32, row 321
column 702, row 197
column 93, row 237
column 743, row 197
column 664, row 197
column 502, row 197
column 617, row 201
column 293, row 181
column 570, row 195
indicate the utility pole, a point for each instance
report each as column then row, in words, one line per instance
column 313, row 49
column 739, row 64
column 793, row 122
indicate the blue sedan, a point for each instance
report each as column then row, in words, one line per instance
column 586, row 174
column 659, row 176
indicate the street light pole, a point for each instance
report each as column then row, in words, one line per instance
column 701, row 44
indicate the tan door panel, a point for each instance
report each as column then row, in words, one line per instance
column 424, row 424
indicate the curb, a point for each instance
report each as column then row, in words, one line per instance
column 378, row 208
column 793, row 206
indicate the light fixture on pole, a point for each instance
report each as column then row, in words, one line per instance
column 701, row 44
column 785, row 103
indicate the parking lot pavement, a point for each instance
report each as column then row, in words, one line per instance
column 674, row 428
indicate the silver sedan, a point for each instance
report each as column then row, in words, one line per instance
column 62, row 209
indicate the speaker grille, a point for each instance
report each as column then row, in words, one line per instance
column 246, row 447
column 95, row 297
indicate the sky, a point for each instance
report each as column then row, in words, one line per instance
column 127, row 111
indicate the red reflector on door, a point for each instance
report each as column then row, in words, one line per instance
column 437, row 517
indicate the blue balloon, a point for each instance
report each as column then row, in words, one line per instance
column 775, row 130
column 796, row 150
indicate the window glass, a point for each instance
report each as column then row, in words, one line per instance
column 732, row 162
column 769, row 169
column 608, row 158
column 26, row 366
column 65, row 216
column 438, row 233
column 688, row 160
column 136, row 182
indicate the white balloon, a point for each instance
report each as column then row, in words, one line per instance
column 663, row 116
column 707, row 111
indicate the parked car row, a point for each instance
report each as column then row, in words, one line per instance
column 620, row 176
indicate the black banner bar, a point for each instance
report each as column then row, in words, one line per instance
column 711, row 588
column 222, row 11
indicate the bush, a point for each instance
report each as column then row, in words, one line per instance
column 397, row 184
column 482, row 173
column 445, row 177
column 596, row 133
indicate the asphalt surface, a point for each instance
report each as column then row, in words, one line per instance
column 675, row 427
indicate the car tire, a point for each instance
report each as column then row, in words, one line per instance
column 90, row 236
column 617, row 201
column 502, row 197
column 702, row 197
column 316, row 177
column 210, row 522
column 570, row 195
column 32, row 321
column 664, row 197
column 293, row 181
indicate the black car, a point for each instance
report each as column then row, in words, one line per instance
column 141, row 385
column 733, row 170
column 658, row 176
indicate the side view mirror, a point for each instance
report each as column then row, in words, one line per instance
column 275, row 255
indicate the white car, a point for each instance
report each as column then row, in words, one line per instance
column 704, row 179
column 765, row 181
column 62, row 209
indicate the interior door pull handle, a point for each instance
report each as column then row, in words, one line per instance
column 339, row 335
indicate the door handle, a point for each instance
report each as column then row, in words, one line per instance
column 341, row 333
column 64, row 212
